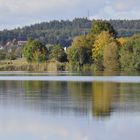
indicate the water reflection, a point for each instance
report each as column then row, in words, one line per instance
column 100, row 99
column 64, row 110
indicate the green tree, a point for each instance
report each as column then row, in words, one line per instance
column 85, row 41
column 130, row 54
column 35, row 51
column 2, row 54
column 10, row 56
column 99, row 26
column 80, row 52
column 78, row 56
column 126, row 55
column 18, row 52
column 58, row 54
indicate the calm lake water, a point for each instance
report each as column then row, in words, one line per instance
column 69, row 106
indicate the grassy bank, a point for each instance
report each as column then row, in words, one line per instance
column 23, row 65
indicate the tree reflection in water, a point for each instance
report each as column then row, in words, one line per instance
column 72, row 98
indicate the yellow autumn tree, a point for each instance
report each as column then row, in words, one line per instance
column 122, row 41
column 102, row 40
column 111, row 56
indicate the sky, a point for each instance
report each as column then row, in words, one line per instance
column 18, row 13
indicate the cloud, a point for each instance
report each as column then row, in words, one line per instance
column 125, row 5
column 118, row 9
column 38, row 129
column 28, row 11
column 33, row 7
column 21, row 12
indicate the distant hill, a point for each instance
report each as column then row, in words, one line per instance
column 63, row 32
column 126, row 27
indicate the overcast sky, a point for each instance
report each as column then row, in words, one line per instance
column 14, row 13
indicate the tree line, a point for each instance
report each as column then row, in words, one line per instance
column 62, row 32
column 100, row 49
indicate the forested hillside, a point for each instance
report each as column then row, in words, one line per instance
column 62, row 32
column 126, row 27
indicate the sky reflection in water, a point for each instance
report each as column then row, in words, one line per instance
column 63, row 110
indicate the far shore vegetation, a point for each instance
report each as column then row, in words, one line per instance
column 99, row 49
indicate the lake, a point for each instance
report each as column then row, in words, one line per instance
column 69, row 106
